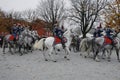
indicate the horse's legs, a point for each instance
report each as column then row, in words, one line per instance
column 103, row 54
column 15, row 47
column 50, row 54
column 20, row 46
column 24, row 48
column 96, row 56
column 3, row 47
column 117, row 52
column 67, row 51
column 10, row 46
column 88, row 52
column 109, row 54
column 45, row 56
column 55, row 51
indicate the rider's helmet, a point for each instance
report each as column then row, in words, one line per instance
column 99, row 27
column 56, row 23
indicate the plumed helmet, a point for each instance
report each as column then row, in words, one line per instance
column 62, row 27
column 56, row 22
column 100, row 26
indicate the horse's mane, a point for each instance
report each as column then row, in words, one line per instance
column 66, row 32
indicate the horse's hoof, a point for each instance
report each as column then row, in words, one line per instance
column 109, row 60
column 80, row 54
column 103, row 58
column 65, row 57
column 58, row 50
column 118, row 60
column 85, row 56
column 46, row 60
column 97, row 60
column 68, row 59
column 21, row 54
column 54, row 61
column 56, row 53
column 12, row 54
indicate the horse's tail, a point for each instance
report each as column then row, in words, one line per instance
column 3, row 42
column 83, row 44
column 39, row 44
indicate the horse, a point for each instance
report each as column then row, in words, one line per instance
column 105, row 43
column 49, row 45
column 97, row 45
column 9, row 41
column 26, row 40
column 86, row 47
column 75, row 44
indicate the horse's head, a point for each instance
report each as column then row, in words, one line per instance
column 70, row 33
column 35, row 34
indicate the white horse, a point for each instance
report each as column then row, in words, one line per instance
column 101, row 47
column 48, row 43
column 97, row 45
column 86, row 47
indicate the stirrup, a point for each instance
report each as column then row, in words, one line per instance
column 63, row 46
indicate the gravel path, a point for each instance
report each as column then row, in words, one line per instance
column 32, row 66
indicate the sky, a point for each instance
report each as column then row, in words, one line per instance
column 18, row 5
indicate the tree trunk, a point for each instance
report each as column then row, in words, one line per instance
column 84, row 35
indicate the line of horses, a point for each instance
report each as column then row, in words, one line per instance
column 98, row 45
column 29, row 41
column 22, row 44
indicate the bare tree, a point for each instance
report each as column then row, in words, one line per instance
column 29, row 15
column 51, row 10
column 1, row 13
column 13, row 14
column 85, row 13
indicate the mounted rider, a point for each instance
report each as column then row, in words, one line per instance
column 98, row 31
column 109, row 33
column 58, row 32
column 14, row 31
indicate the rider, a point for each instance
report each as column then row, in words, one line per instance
column 58, row 32
column 98, row 32
column 14, row 31
column 109, row 33
column 19, row 29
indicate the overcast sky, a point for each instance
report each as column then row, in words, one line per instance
column 18, row 5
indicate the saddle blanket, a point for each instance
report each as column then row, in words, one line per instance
column 11, row 38
column 107, row 40
column 57, row 40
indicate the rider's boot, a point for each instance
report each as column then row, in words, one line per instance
column 63, row 45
